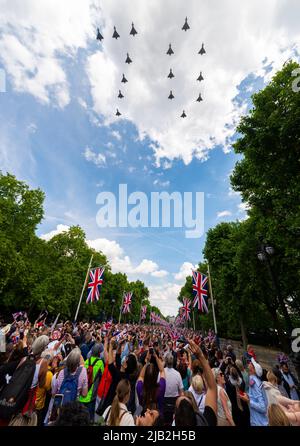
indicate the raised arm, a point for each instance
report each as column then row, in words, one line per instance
column 211, row 395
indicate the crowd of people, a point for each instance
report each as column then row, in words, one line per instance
column 137, row 375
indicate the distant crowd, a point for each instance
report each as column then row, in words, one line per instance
column 137, row 375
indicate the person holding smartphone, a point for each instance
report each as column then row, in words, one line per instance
column 209, row 416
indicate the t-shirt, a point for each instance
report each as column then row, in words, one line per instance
column 82, row 381
column 160, row 393
column 186, row 380
column 41, row 391
column 126, row 418
column 174, row 383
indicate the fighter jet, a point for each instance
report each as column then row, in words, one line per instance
column 115, row 34
column 120, row 95
column 171, row 96
column 199, row 98
column 170, row 51
column 99, row 35
column 183, row 114
column 170, row 75
column 128, row 60
column 200, row 78
column 118, row 113
column 202, row 51
column 133, row 32
column 124, row 80
column 186, row 25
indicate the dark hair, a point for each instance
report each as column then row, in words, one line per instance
column 196, row 367
column 131, row 368
column 185, row 414
column 150, row 387
column 183, row 370
column 73, row 414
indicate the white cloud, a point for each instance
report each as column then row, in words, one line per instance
column 233, row 193
column 161, row 183
column 35, row 41
column 224, row 214
column 116, row 135
column 165, row 297
column 97, row 158
column 228, row 61
column 243, row 207
column 184, row 271
column 33, row 38
column 59, row 229
column 122, row 263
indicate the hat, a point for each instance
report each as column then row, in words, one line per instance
column 257, row 367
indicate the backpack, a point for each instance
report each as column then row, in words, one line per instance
column 69, row 386
column 13, row 396
column 90, row 372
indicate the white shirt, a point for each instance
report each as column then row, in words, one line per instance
column 127, row 418
column 174, row 384
column 200, row 399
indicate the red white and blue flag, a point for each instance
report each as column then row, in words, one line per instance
column 108, row 325
column 186, row 309
column 143, row 312
column 200, row 291
column 94, row 286
column 127, row 302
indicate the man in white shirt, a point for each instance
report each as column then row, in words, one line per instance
column 174, row 388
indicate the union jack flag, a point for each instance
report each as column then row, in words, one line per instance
column 200, row 291
column 144, row 311
column 127, row 302
column 94, row 286
column 186, row 309
column 108, row 325
column 174, row 336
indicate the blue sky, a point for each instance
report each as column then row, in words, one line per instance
column 58, row 130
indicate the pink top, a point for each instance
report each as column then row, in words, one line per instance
column 82, row 381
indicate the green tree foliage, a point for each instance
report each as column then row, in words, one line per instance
column 267, row 177
column 38, row 275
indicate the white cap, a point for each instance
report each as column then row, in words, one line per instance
column 257, row 367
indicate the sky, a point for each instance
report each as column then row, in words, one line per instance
column 59, row 131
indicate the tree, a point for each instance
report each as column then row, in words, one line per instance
column 268, row 177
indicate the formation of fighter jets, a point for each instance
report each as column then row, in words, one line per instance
column 170, row 51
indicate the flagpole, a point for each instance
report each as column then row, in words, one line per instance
column 121, row 309
column 194, row 319
column 212, row 299
column 83, row 288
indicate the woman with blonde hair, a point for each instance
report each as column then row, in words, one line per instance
column 277, row 416
column 117, row 414
column 290, row 408
column 198, row 392
column 224, row 403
